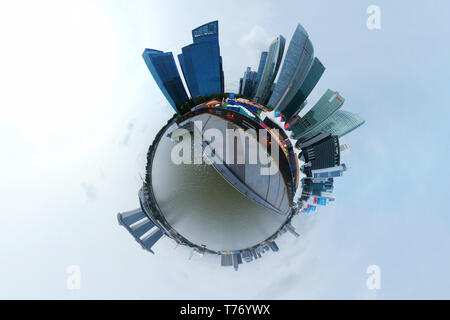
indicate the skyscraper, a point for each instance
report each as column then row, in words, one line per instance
column 297, row 102
column 322, row 175
column 270, row 70
column 144, row 230
column 311, row 188
column 164, row 70
column 249, row 82
column 327, row 105
column 262, row 63
column 321, row 152
column 339, row 124
column 296, row 64
column 201, row 62
column 342, row 122
column 241, row 80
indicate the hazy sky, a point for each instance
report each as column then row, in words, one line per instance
column 78, row 110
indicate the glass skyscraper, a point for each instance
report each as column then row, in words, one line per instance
column 322, row 175
column 297, row 102
column 327, row 105
column 296, row 64
column 241, row 81
column 321, row 153
column 273, row 61
column 164, row 70
column 339, row 124
column 249, row 82
column 201, row 62
column 262, row 63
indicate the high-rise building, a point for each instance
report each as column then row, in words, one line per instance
column 262, row 63
column 241, row 81
column 316, row 189
column 321, row 151
column 298, row 101
column 201, row 62
column 144, row 231
column 237, row 260
column 327, row 105
column 226, row 260
column 296, row 64
column 322, row 175
column 247, row 255
column 339, row 124
column 249, row 82
column 273, row 61
column 272, row 245
column 164, row 70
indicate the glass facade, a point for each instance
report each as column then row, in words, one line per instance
column 322, row 175
column 327, row 105
column 249, row 82
column 164, row 70
column 324, row 153
column 296, row 64
column 339, row 124
column 241, row 80
column 262, row 63
column 201, row 62
column 297, row 102
column 270, row 70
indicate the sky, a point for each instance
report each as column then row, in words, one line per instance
column 78, row 110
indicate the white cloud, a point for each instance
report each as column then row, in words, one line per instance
column 90, row 191
column 255, row 41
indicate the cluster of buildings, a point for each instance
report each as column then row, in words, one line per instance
column 299, row 74
column 315, row 135
column 201, row 66
column 235, row 258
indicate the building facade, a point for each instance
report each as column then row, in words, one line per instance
column 241, row 80
column 201, row 62
column 298, row 101
column 273, row 61
column 297, row 62
column 322, row 175
column 321, row 152
column 339, row 124
column 249, row 83
column 327, row 105
column 164, row 70
column 317, row 189
column 262, row 63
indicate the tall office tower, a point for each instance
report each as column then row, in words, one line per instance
column 164, row 70
column 241, row 81
column 339, row 124
column 321, row 151
column 322, row 175
column 222, row 79
column 249, row 82
column 327, row 105
column 145, row 232
column 311, row 188
column 296, row 64
column 298, row 101
column 262, row 63
column 273, row 61
column 201, row 62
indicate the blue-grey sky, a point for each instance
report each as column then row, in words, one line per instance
column 78, row 109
